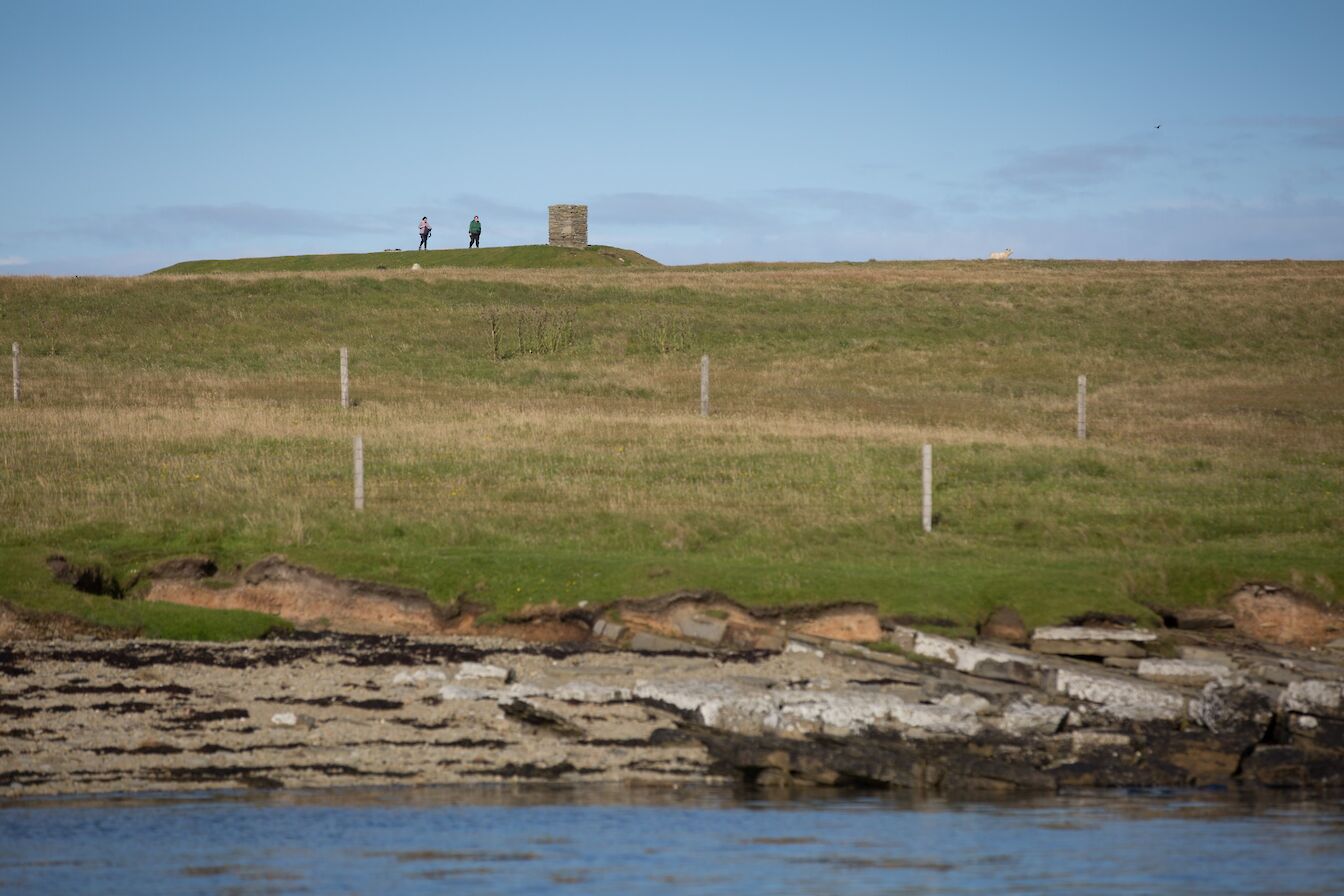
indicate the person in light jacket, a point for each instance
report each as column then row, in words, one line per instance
column 474, row 231
column 424, row 233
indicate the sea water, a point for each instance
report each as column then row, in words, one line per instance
column 484, row 840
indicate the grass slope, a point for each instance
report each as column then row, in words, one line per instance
column 494, row 257
column 533, row 435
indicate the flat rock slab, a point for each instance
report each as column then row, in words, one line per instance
column 1324, row 698
column 1089, row 648
column 1189, row 673
column 996, row 663
column 1086, row 633
column 605, row 628
column 1093, row 642
column 1121, row 698
column 483, row 672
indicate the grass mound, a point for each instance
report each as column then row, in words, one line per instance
column 494, row 257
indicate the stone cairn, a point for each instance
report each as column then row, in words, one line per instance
column 569, row 226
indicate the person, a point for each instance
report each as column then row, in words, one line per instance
column 474, row 231
column 424, row 233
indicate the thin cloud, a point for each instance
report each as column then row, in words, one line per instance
column 1192, row 229
column 1310, row 130
column 762, row 210
column 851, row 205
column 1070, row 167
column 190, row 224
column 1330, row 136
column 12, row 261
column 670, row 210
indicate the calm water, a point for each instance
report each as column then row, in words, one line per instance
column 498, row 841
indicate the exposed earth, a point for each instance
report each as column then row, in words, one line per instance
column 686, row 688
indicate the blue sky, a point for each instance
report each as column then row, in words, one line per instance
column 137, row 134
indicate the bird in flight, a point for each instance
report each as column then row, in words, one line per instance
column 1156, row 126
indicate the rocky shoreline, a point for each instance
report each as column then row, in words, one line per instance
column 1083, row 706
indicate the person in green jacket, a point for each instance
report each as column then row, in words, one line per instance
column 474, row 231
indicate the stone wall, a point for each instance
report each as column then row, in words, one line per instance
column 568, row 226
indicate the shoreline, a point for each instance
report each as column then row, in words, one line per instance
column 940, row 716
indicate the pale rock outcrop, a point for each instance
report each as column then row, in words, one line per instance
column 1315, row 697
column 1121, row 698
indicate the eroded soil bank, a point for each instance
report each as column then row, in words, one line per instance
column 1097, row 705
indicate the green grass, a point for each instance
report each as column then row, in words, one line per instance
column 28, row 583
column 491, row 257
column 166, row 415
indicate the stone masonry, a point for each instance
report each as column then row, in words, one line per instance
column 569, row 226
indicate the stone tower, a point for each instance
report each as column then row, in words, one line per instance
column 568, row 226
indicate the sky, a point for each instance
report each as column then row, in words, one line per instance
column 137, row 134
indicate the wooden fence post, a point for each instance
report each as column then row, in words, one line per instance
column 345, row 377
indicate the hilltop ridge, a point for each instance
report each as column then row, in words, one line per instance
column 494, row 257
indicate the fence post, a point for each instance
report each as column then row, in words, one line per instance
column 704, row 385
column 1082, row 407
column 359, row 472
column 345, row 377
column 928, row 488
column 16, row 371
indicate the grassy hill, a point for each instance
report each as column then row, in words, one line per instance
column 494, row 257
column 533, row 435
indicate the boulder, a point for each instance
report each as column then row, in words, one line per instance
column 1005, row 625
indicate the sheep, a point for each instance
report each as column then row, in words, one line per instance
column 1000, row 256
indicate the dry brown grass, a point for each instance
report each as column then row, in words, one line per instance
column 200, row 412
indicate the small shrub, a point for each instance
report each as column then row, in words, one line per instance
column 663, row 335
column 535, row 332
